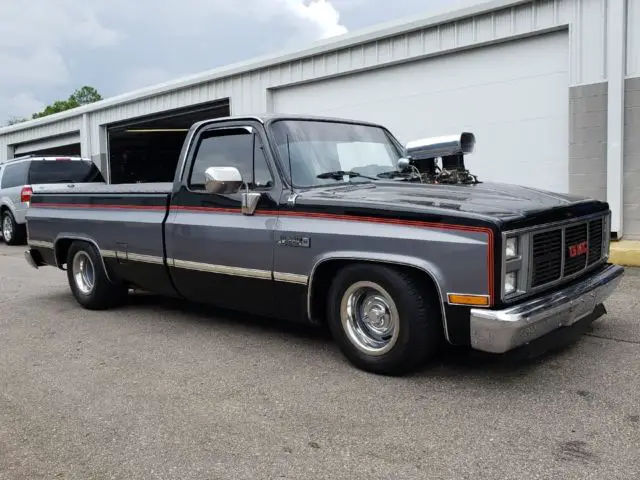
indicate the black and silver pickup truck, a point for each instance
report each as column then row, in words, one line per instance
column 397, row 248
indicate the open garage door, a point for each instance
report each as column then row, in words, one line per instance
column 514, row 96
column 146, row 149
column 63, row 145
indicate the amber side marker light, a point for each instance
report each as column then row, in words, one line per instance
column 474, row 300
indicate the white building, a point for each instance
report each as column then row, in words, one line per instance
column 551, row 88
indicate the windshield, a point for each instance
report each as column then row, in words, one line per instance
column 319, row 147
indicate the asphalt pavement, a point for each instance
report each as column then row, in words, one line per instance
column 163, row 390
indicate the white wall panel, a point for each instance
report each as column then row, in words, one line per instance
column 62, row 127
column 514, row 96
column 245, row 83
column 633, row 38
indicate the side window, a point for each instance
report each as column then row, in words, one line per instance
column 15, row 175
column 231, row 148
column 64, row 171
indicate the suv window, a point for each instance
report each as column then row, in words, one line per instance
column 15, row 174
column 64, row 171
column 231, row 148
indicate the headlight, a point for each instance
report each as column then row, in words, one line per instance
column 510, row 282
column 511, row 248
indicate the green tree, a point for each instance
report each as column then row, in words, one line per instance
column 81, row 96
column 14, row 120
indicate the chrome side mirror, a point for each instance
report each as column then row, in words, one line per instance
column 222, row 180
column 404, row 163
column 226, row 180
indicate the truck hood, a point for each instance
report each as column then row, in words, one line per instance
column 496, row 201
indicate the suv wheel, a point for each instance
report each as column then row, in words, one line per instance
column 88, row 280
column 12, row 233
column 384, row 320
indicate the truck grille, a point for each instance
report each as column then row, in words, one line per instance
column 565, row 251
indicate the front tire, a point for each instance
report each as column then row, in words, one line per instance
column 12, row 233
column 384, row 320
column 88, row 280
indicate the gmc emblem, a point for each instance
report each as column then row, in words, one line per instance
column 578, row 249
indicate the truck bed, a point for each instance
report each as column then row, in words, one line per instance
column 106, row 189
column 116, row 219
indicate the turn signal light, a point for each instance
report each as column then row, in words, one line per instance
column 25, row 194
column 474, row 300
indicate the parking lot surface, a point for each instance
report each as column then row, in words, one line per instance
column 160, row 389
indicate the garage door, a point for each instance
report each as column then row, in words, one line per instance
column 513, row 96
column 49, row 144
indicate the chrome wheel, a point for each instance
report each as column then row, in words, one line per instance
column 83, row 272
column 7, row 228
column 370, row 318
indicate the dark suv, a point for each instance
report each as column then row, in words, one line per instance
column 19, row 175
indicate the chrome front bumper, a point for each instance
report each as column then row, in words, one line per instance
column 498, row 331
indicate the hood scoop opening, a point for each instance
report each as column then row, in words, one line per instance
column 420, row 162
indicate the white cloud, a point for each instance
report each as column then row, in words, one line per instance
column 42, row 66
column 54, row 24
column 23, row 105
column 321, row 13
column 50, row 48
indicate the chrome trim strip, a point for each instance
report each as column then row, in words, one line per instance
column 498, row 331
column 40, row 244
column 137, row 257
column 221, row 269
column 290, row 278
column 212, row 268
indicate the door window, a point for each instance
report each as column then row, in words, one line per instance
column 234, row 147
column 15, row 175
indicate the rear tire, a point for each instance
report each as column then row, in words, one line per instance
column 12, row 233
column 88, row 280
column 384, row 320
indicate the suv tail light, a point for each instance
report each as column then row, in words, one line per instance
column 25, row 194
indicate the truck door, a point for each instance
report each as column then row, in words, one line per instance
column 216, row 253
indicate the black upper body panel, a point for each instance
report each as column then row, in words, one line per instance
column 502, row 205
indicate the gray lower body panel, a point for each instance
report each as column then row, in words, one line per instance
column 498, row 331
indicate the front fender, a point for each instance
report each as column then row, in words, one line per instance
column 421, row 264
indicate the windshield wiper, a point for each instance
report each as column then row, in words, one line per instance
column 397, row 174
column 340, row 174
column 392, row 174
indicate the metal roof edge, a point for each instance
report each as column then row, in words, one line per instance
column 379, row 31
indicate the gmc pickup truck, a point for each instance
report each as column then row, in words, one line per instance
column 397, row 248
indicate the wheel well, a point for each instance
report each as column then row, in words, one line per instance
column 322, row 276
column 61, row 250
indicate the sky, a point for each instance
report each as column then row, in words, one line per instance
column 50, row 48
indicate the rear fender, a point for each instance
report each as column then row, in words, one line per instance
column 57, row 253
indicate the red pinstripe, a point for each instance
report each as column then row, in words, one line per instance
column 327, row 216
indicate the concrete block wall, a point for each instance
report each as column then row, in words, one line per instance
column 631, row 192
column 588, row 140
